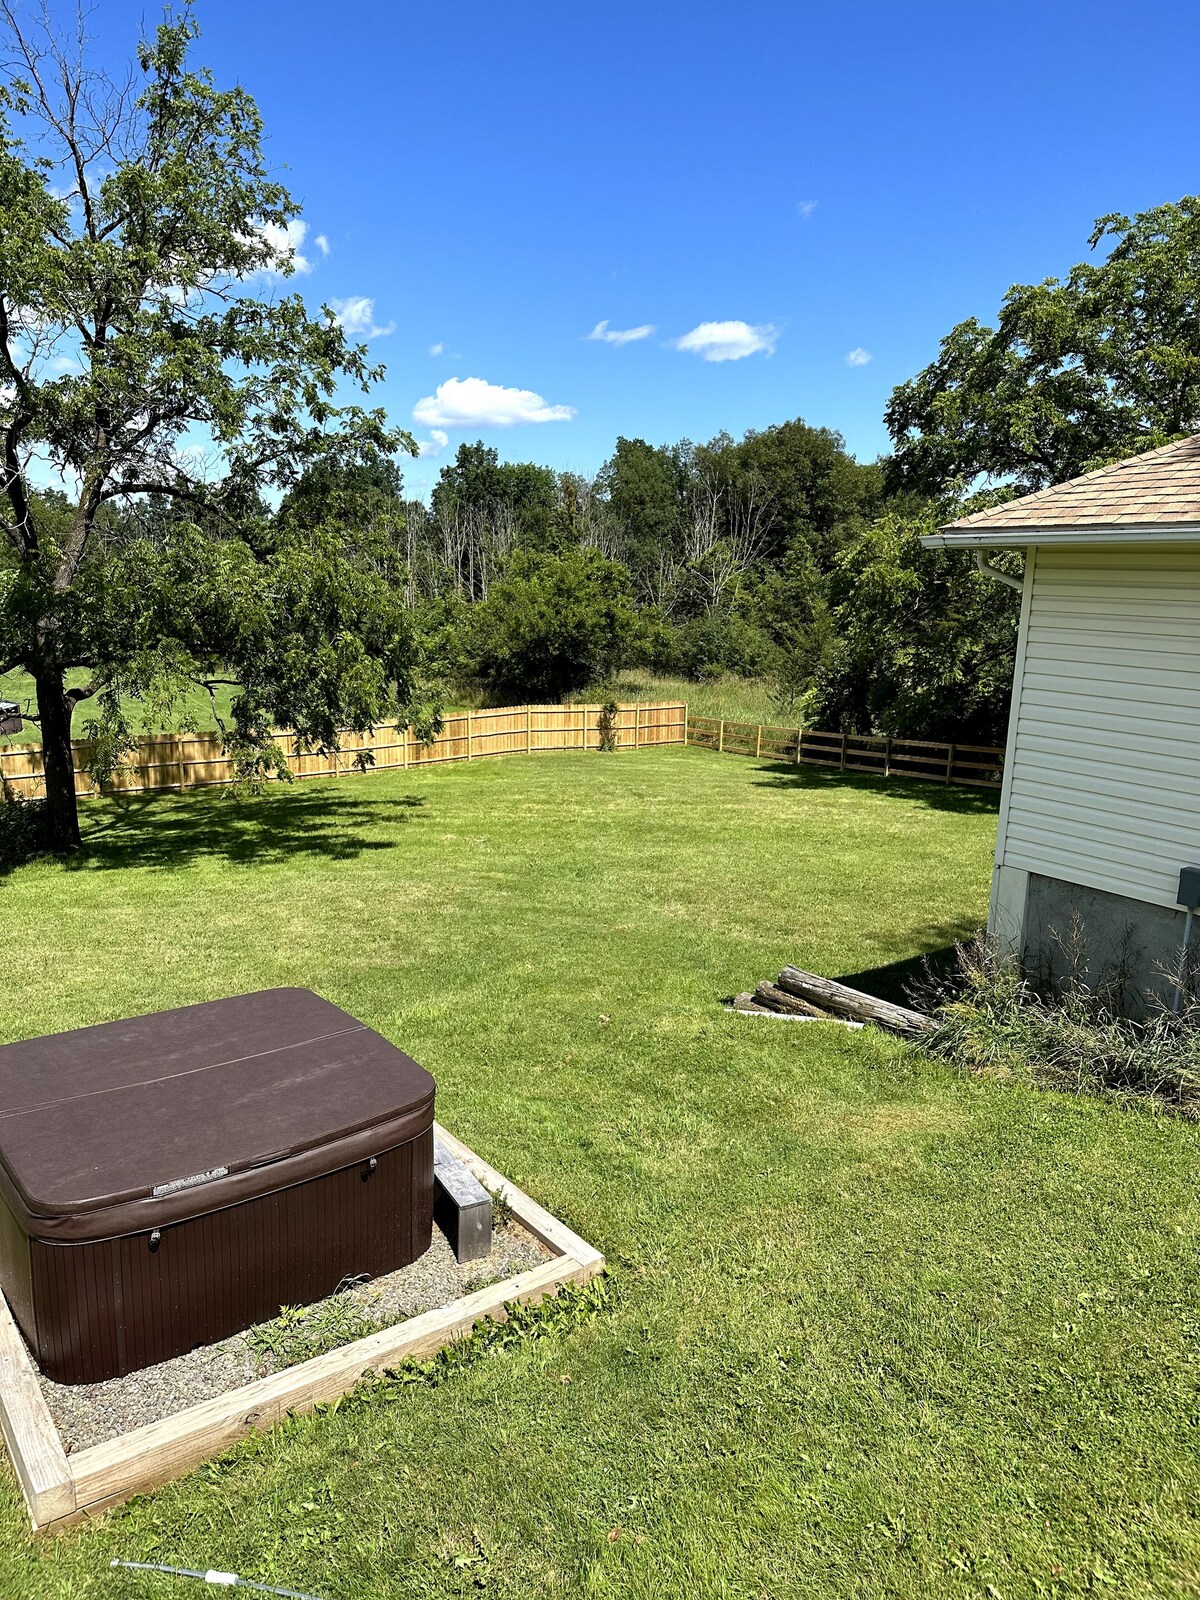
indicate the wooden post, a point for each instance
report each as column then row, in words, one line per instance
column 468, row 736
column 637, row 723
column 950, row 763
column 758, row 744
column 721, row 737
column 528, row 730
column 843, row 766
column 887, row 758
column 404, row 745
column 799, row 744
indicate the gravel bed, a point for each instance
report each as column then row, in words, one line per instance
column 89, row 1413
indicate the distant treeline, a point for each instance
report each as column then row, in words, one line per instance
column 777, row 555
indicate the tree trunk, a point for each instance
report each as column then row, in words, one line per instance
column 54, row 709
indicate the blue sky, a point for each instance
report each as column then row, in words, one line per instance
column 498, row 179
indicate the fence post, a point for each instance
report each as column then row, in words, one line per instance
column 404, row 746
column 528, row 730
column 468, row 736
column 758, row 744
column 685, row 723
column 887, row 758
column 721, row 738
column 950, row 763
column 843, row 766
column 799, row 744
column 637, row 723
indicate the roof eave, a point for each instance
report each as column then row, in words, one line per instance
column 951, row 538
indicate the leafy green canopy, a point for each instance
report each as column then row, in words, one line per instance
column 1076, row 373
column 553, row 624
column 921, row 644
column 143, row 360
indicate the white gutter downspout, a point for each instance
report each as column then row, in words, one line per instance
column 989, row 571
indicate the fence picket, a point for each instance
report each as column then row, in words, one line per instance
column 199, row 761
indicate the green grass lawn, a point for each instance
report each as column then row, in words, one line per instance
column 877, row 1329
column 196, row 709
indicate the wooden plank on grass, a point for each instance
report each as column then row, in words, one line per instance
column 33, row 1443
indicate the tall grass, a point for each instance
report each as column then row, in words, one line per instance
column 994, row 1020
column 738, row 699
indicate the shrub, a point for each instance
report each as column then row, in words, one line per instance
column 23, row 830
column 992, row 1019
column 606, row 725
column 710, row 645
column 553, row 625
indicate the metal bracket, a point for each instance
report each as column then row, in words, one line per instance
column 995, row 573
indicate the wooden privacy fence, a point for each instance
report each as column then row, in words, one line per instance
column 196, row 760
column 978, row 764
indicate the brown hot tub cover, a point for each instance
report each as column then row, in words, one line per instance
column 169, row 1179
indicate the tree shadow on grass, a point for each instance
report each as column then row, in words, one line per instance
column 284, row 823
column 935, row 796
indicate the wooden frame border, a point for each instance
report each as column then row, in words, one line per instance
column 61, row 1489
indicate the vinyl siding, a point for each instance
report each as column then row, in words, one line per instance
column 1103, row 786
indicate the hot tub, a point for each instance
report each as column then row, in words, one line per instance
column 168, row 1180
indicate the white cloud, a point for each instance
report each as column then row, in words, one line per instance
column 607, row 335
column 805, row 208
column 64, row 364
column 437, row 349
column 284, row 242
column 356, row 316
column 474, row 403
column 858, row 357
column 728, row 341
column 322, row 244
column 435, row 444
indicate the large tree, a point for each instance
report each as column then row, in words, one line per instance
column 921, row 644
column 148, row 362
column 1076, row 373
column 818, row 494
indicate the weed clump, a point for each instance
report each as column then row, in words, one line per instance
column 992, row 1019
column 300, row 1332
column 606, row 725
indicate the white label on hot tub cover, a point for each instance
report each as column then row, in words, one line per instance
column 176, row 1184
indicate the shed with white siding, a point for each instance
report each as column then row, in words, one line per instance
column 1100, row 809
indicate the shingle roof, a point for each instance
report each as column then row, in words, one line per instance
column 1158, row 489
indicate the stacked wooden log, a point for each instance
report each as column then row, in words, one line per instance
column 803, row 996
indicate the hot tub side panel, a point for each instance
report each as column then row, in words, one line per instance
column 110, row 1307
column 16, row 1273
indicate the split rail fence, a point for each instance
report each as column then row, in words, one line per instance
column 198, row 760
column 975, row 764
